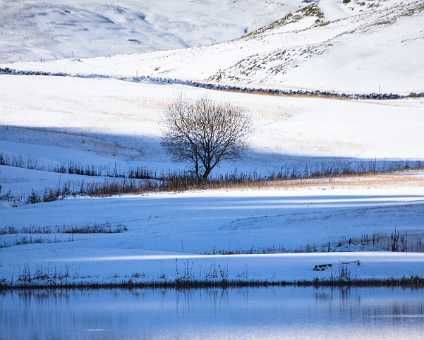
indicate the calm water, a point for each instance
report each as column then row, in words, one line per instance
column 254, row 313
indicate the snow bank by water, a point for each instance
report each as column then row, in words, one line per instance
column 167, row 232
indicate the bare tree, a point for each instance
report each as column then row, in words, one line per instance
column 205, row 133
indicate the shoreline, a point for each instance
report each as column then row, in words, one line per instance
column 414, row 282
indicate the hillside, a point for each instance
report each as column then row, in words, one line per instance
column 105, row 122
column 370, row 46
column 42, row 30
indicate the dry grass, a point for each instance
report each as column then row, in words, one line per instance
column 412, row 178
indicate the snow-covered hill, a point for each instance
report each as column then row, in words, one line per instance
column 353, row 46
column 34, row 30
column 107, row 122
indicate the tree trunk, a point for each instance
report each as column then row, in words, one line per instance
column 196, row 169
column 206, row 174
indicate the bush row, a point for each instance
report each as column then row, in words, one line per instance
column 182, row 181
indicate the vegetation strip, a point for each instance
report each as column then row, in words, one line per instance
column 96, row 228
column 220, row 87
column 396, row 242
column 185, row 180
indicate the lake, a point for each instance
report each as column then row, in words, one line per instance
column 243, row 313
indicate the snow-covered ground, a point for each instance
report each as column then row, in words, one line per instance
column 167, row 232
column 47, row 122
column 110, row 123
column 34, row 30
column 369, row 46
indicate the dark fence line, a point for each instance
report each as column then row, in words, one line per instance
column 75, row 168
column 222, row 87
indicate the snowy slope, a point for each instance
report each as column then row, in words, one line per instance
column 371, row 46
column 167, row 232
column 109, row 123
column 123, row 120
column 34, row 30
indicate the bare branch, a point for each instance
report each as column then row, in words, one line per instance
column 205, row 133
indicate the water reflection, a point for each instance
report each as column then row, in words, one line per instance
column 265, row 313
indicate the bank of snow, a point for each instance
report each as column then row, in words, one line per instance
column 169, row 234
